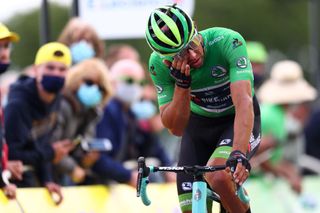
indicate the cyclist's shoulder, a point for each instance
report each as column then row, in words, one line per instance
column 156, row 66
column 157, row 59
column 218, row 31
column 221, row 38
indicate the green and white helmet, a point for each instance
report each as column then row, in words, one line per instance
column 169, row 30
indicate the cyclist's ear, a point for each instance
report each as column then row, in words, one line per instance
column 167, row 63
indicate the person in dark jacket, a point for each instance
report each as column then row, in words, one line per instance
column 31, row 113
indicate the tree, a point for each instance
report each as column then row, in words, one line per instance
column 27, row 26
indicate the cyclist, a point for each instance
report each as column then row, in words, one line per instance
column 205, row 91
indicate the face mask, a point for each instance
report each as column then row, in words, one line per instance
column 3, row 67
column 143, row 109
column 80, row 51
column 52, row 84
column 89, row 95
column 128, row 93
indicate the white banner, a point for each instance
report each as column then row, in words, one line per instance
column 123, row 19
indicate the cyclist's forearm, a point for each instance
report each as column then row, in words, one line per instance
column 243, row 125
column 175, row 115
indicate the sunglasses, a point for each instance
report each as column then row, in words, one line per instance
column 192, row 45
column 129, row 80
column 91, row 82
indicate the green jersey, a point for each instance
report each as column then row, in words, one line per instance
column 225, row 61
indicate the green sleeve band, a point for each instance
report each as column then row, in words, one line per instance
column 221, row 152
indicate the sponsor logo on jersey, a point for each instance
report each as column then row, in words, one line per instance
column 186, row 186
column 218, row 71
column 225, row 142
column 223, row 152
column 254, row 142
column 243, row 71
column 242, row 62
column 159, row 89
column 152, row 71
column 186, row 202
column 215, row 98
column 215, row 40
column 236, row 43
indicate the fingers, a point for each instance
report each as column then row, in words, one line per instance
column 55, row 192
column 67, row 144
column 10, row 191
column 241, row 174
column 187, row 71
column 17, row 173
column 60, row 197
column 179, row 64
column 16, row 169
column 167, row 63
column 56, row 196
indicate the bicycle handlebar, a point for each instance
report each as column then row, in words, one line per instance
column 142, row 181
column 144, row 172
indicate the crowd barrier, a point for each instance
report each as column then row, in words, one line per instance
column 267, row 196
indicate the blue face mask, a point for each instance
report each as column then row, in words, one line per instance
column 52, row 84
column 89, row 95
column 143, row 109
column 3, row 67
column 80, row 51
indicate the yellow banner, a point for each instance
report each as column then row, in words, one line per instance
column 122, row 198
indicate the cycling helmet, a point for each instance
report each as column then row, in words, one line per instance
column 169, row 30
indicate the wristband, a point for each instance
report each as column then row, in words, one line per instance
column 236, row 157
column 181, row 79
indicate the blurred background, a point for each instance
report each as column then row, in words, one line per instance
column 284, row 26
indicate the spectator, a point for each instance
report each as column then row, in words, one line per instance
column 87, row 90
column 258, row 56
column 31, row 113
column 281, row 95
column 117, row 52
column 119, row 123
column 82, row 39
column 15, row 167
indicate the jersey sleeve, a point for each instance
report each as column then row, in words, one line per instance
column 161, row 78
column 236, row 55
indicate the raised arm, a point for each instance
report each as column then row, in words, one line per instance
column 175, row 115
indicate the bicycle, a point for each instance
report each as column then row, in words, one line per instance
column 200, row 191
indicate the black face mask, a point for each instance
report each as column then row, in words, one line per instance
column 4, row 67
column 52, row 84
